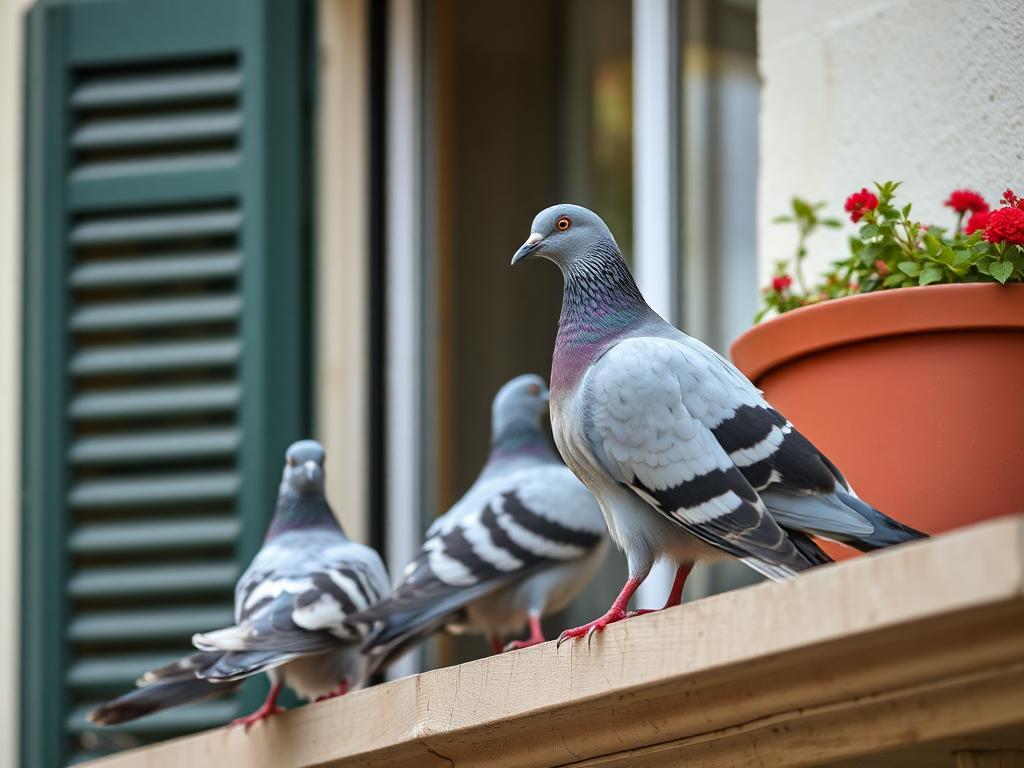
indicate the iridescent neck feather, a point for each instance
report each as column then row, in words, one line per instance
column 601, row 304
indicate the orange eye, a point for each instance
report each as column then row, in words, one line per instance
column 534, row 389
column 563, row 223
column 291, row 461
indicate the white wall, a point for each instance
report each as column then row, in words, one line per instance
column 930, row 92
column 10, row 366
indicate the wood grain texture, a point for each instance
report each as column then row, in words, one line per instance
column 1002, row 758
column 878, row 661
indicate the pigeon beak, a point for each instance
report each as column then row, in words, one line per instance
column 311, row 468
column 528, row 248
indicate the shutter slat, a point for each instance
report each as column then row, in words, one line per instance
column 137, row 358
column 150, row 580
column 164, row 489
column 129, row 90
column 168, row 226
column 154, row 446
column 121, row 671
column 154, row 401
column 161, row 129
column 170, row 624
column 156, row 164
column 172, row 179
column 155, row 313
column 155, row 535
column 161, row 269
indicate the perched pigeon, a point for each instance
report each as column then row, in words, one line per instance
column 686, row 458
column 520, row 544
column 290, row 607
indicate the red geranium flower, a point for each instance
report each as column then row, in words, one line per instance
column 1011, row 200
column 977, row 221
column 859, row 203
column 963, row 200
column 881, row 268
column 781, row 283
column 1005, row 225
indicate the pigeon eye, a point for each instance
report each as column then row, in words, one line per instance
column 563, row 223
column 291, row 461
column 534, row 389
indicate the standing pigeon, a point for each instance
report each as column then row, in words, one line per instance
column 290, row 607
column 520, row 544
column 686, row 458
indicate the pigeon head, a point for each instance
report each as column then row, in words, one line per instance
column 303, row 469
column 518, row 407
column 563, row 232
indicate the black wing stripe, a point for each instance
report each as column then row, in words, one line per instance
column 501, row 539
column 759, row 474
column 458, row 548
column 325, row 585
column 524, row 517
column 356, row 577
column 700, row 490
column 747, row 427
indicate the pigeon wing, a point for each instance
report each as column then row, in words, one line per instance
column 646, row 398
column 516, row 532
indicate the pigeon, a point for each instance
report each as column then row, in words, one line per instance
column 686, row 458
column 520, row 544
column 290, row 610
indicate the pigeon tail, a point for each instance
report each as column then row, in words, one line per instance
column 887, row 532
column 157, row 697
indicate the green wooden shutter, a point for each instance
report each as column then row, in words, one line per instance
column 166, row 338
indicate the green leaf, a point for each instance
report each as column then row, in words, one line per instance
column 906, row 211
column 834, row 223
column 910, row 268
column 869, row 231
column 1001, row 271
column 930, row 275
column 868, row 254
column 983, row 265
column 894, row 279
column 932, row 244
column 802, row 209
column 962, row 257
column 784, row 219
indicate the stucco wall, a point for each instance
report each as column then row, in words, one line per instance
column 924, row 91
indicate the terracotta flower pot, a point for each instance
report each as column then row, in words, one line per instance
column 916, row 394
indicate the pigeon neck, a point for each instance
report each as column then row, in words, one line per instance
column 600, row 305
column 295, row 512
column 518, row 437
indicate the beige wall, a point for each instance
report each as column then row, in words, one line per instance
column 10, row 364
column 341, row 277
column 924, row 91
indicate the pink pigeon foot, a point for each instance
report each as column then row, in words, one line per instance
column 267, row 709
column 616, row 613
column 341, row 690
column 536, row 636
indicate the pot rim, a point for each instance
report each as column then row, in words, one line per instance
column 900, row 311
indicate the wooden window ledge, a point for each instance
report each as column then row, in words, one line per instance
column 912, row 657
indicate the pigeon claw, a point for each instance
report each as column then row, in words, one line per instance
column 529, row 642
column 260, row 714
column 597, row 625
column 340, row 690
